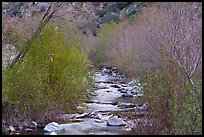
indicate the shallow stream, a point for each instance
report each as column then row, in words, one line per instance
column 106, row 114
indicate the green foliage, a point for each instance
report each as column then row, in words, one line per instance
column 52, row 75
column 103, row 43
column 183, row 108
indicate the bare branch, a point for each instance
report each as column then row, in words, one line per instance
column 46, row 18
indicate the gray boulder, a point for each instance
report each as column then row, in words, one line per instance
column 53, row 126
column 53, row 133
column 115, row 122
column 11, row 129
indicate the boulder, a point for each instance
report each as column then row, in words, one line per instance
column 11, row 129
column 53, row 126
column 115, row 122
column 53, row 133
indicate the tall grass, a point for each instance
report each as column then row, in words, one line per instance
column 49, row 79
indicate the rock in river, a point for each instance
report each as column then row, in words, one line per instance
column 11, row 129
column 53, row 133
column 54, row 126
column 116, row 122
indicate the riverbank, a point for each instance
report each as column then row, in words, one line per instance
column 113, row 99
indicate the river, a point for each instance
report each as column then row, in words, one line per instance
column 113, row 99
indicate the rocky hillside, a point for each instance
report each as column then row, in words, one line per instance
column 86, row 16
column 90, row 13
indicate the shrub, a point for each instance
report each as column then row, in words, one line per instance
column 49, row 78
column 170, row 92
column 13, row 36
column 103, row 43
column 164, row 39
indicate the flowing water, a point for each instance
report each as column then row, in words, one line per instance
column 112, row 100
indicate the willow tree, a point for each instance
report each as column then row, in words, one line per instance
column 51, row 12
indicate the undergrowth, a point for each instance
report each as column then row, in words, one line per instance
column 52, row 77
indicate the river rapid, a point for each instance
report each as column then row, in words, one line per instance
column 113, row 99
